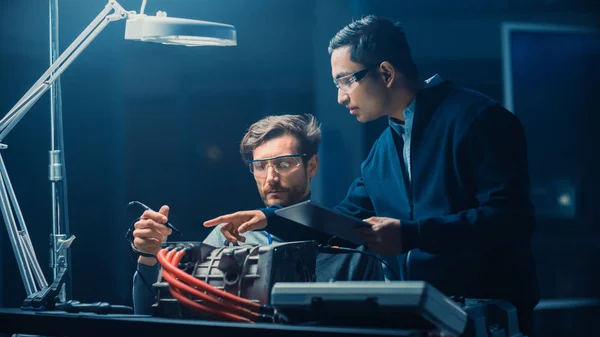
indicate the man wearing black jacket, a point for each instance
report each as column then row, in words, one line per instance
column 446, row 185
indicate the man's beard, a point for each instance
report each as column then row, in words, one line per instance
column 293, row 195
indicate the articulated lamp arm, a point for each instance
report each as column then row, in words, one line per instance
column 29, row 267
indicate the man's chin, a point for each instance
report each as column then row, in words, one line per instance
column 362, row 119
column 365, row 118
column 270, row 201
column 283, row 199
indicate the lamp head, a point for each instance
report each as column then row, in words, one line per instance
column 185, row 32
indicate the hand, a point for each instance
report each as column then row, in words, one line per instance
column 238, row 223
column 150, row 231
column 383, row 236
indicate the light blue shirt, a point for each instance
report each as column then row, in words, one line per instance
column 405, row 128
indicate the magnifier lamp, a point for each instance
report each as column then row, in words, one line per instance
column 139, row 27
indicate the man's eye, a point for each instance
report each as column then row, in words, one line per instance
column 347, row 81
column 283, row 164
column 259, row 165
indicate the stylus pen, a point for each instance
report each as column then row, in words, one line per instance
column 168, row 224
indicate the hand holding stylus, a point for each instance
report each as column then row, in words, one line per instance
column 151, row 231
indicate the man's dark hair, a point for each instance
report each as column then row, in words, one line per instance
column 306, row 128
column 373, row 40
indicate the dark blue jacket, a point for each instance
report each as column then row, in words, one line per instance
column 466, row 217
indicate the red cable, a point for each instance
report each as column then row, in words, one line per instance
column 197, row 306
column 185, row 288
column 170, row 255
column 207, row 310
column 191, row 280
column 231, row 306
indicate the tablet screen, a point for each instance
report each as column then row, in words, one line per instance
column 325, row 220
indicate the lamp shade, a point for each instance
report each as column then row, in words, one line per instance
column 185, row 32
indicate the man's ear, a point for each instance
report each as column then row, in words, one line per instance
column 312, row 166
column 388, row 72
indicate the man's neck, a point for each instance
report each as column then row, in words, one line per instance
column 401, row 99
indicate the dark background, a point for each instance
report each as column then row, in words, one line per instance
column 162, row 124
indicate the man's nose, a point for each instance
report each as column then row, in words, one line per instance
column 342, row 97
column 272, row 175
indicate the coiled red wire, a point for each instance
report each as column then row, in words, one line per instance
column 216, row 303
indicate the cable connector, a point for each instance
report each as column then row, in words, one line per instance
column 97, row 307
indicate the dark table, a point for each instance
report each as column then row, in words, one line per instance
column 58, row 323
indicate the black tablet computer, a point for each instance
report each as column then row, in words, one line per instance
column 325, row 220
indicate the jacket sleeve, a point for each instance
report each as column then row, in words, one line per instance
column 143, row 296
column 492, row 161
column 357, row 202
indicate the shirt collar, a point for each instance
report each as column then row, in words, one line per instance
column 433, row 81
column 409, row 112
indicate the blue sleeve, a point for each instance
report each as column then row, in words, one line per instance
column 492, row 160
column 143, row 297
column 270, row 211
column 357, row 202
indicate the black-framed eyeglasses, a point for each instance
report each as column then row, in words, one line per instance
column 344, row 83
column 281, row 164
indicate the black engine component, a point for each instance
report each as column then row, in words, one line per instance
column 248, row 271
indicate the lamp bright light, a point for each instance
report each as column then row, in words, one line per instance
column 186, row 32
